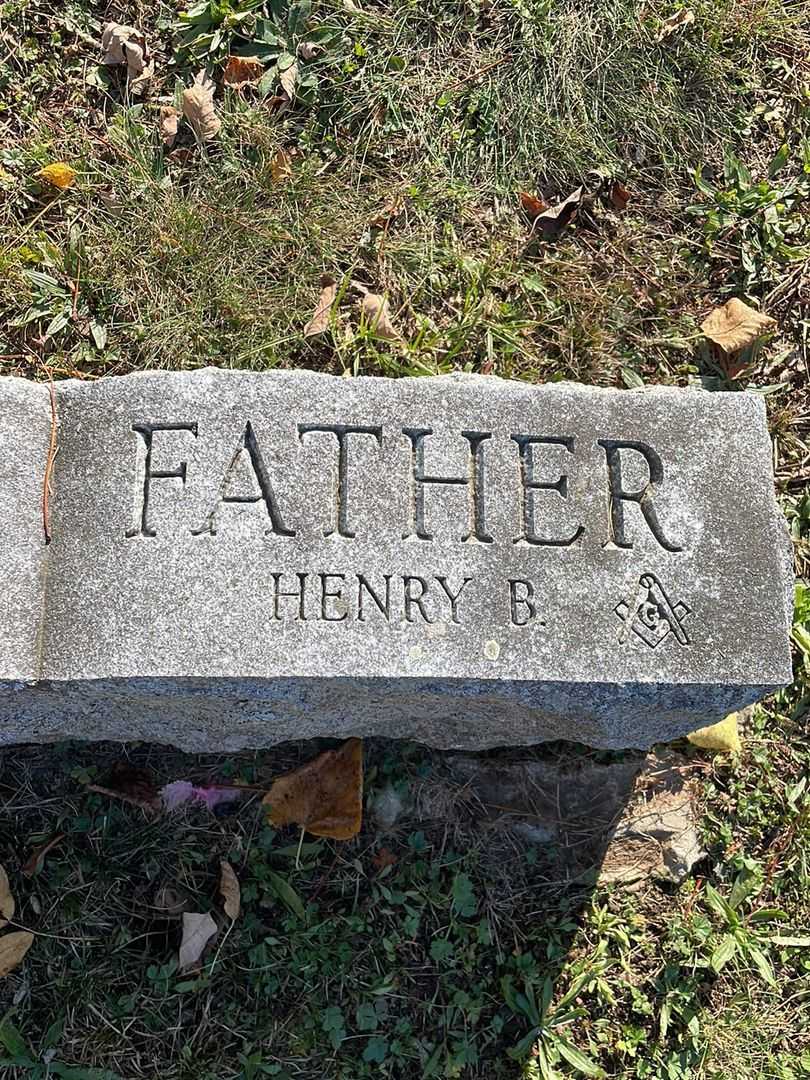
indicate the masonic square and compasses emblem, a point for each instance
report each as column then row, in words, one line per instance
column 652, row 615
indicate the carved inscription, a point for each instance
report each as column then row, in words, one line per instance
column 547, row 515
column 335, row 597
column 247, row 448
column 417, row 526
column 652, row 616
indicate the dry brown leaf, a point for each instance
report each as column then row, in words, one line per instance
column 242, row 71
column 182, row 155
column 229, row 890
column 7, row 906
column 551, row 222
column 281, row 166
column 289, row 80
column 532, row 205
column 735, row 325
column 619, row 195
column 114, row 39
column 198, row 108
column 198, row 930
column 13, row 948
column 319, row 323
column 169, row 121
column 308, row 50
column 378, row 315
column 127, row 45
column 138, row 66
column 392, row 209
column 169, row 901
column 279, row 103
column 36, row 859
column 677, row 21
column 130, row 785
column 325, row 796
column 384, row 858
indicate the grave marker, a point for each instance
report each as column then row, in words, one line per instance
column 240, row 558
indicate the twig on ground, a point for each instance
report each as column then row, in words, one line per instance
column 46, row 485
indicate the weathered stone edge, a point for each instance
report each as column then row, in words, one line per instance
column 234, row 714
column 495, row 382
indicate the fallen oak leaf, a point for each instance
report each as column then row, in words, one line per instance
column 735, row 326
column 279, row 103
column 532, row 205
column 677, row 21
column 36, row 859
column 325, row 796
column 59, row 175
column 181, row 155
column 319, row 323
column 198, row 108
column 169, row 122
column 7, row 905
column 113, row 36
column 230, row 891
column 198, row 929
column 392, row 209
column 124, row 45
column 551, row 222
column 13, row 948
column 242, row 71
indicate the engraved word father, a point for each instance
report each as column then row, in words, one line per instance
column 337, row 439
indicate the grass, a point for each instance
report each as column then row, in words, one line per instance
column 474, row 954
column 419, row 968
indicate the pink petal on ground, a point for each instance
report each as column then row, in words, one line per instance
column 214, row 796
column 176, row 793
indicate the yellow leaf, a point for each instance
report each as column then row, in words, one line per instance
column 281, row 166
column 325, row 796
column 319, row 323
column 722, row 736
column 735, row 325
column 13, row 948
column 6, row 899
column 230, row 891
column 58, row 175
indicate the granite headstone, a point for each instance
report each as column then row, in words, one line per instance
column 238, row 559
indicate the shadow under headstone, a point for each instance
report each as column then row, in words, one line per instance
column 535, row 832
